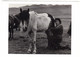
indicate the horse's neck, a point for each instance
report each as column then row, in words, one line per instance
column 31, row 22
column 32, row 15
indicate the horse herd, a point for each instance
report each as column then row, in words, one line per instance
column 31, row 22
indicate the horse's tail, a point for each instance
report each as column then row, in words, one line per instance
column 52, row 19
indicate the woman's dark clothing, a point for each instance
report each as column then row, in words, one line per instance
column 55, row 39
column 57, row 35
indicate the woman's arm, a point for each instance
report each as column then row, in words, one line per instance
column 57, row 30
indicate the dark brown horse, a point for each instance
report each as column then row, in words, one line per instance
column 13, row 24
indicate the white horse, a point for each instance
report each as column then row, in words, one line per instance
column 35, row 22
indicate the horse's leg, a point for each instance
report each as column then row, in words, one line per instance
column 30, row 47
column 16, row 29
column 12, row 33
column 30, row 41
column 48, row 37
column 10, row 37
column 34, row 42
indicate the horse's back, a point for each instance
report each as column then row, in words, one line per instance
column 43, row 21
column 40, row 21
column 11, row 19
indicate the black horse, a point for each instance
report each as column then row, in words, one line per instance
column 13, row 24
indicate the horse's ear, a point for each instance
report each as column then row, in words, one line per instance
column 20, row 9
column 28, row 10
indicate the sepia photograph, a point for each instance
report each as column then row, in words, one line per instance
column 39, row 29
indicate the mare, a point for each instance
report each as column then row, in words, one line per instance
column 34, row 22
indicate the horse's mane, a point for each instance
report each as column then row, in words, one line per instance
column 33, row 12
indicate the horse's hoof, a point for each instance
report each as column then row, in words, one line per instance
column 10, row 39
column 28, row 52
column 34, row 52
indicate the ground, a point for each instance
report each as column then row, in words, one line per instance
column 20, row 43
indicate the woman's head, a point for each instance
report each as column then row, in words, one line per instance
column 58, row 21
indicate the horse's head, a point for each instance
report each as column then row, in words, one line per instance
column 24, row 19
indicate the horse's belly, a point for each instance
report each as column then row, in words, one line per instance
column 43, row 24
column 42, row 27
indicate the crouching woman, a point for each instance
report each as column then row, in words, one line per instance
column 57, row 35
